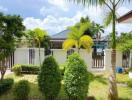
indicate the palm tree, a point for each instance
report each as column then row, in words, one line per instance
column 112, row 6
column 39, row 35
column 30, row 35
column 98, row 29
column 77, row 39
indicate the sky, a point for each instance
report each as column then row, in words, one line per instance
column 56, row 15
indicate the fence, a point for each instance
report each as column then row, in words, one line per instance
column 101, row 61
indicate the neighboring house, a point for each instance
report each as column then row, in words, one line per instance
column 58, row 39
column 127, row 18
column 127, row 56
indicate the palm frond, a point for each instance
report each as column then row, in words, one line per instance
column 87, row 2
column 69, row 43
column 73, row 34
column 108, row 19
column 86, row 41
column 83, row 28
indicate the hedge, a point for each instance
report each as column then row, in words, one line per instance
column 5, row 85
column 25, row 69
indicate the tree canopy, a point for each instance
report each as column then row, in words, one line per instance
column 124, row 42
column 11, row 27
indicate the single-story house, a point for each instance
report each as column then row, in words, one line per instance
column 127, row 18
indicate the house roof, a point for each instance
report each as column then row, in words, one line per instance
column 61, row 35
column 127, row 18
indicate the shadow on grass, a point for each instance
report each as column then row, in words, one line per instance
column 99, row 78
column 129, row 84
column 123, row 99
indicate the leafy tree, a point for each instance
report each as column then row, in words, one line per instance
column 111, row 17
column 124, row 42
column 77, row 39
column 11, row 27
column 93, row 29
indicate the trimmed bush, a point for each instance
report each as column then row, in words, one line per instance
column 17, row 69
column 62, row 68
column 21, row 90
column 30, row 69
column 5, row 85
column 49, row 79
column 76, row 80
column 26, row 69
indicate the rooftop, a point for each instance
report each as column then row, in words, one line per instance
column 127, row 18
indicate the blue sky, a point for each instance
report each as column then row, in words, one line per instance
column 55, row 15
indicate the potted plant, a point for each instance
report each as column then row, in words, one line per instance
column 130, row 73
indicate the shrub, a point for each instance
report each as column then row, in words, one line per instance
column 30, row 69
column 17, row 69
column 26, row 69
column 62, row 68
column 49, row 78
column 21, row 90
column 5, row 85
column 76, row 78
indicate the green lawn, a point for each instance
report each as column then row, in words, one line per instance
column 98, row 87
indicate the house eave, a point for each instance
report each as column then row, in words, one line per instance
column 127, row 18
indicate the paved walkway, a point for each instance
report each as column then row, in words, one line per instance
column 7, row 72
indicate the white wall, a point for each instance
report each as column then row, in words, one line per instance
column 60, row 55
column 87, row 56
column 21, row 56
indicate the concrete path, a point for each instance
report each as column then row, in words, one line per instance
column 7, row 72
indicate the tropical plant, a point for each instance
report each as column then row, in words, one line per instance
column 49, row 79
column 30, row 36
column 93, row 29
column 39, row 35
column 98, row 29
column 77, row 39
column 76, row 78
column 111, row 6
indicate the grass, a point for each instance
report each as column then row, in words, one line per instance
column 98, row 87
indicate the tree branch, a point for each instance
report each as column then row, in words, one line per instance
column 117, row 2
column 108, row 5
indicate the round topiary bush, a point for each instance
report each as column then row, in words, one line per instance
column 49, row 78
column 17, row 69
column 21, row 90
column 76, row 78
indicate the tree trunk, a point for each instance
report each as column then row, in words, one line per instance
column 113, row 93
column 78, row 48
column 39, row 55
column 2, row 69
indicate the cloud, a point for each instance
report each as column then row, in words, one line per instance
column 3, row 9
column 51, row 23
column 60, row 4
column 54, row 24
column 48, row 11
